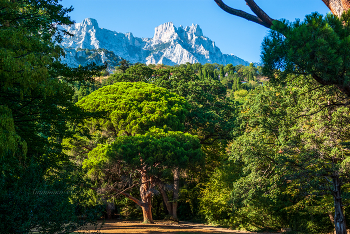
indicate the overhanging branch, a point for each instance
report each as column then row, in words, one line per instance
column 259, row 12
column 262, row 18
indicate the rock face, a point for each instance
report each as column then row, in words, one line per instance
column 77, row 56
column 169, row 45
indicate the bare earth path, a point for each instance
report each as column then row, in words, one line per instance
column 160, row 227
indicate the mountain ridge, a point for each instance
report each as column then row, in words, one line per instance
column 170, row 45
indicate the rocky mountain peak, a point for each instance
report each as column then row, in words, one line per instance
column 194, row 29
column 89, row 22
column 168, row 32
column 165, row 32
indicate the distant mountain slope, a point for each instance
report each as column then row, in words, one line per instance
column 169, row 45
column 77, row 56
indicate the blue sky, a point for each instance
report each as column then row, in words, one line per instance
column 231, row 34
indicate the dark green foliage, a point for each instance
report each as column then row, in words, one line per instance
column 123, row 65
column 275, row 170
column 82, row 89
column 48, row 205
column 242, row 77
column 291, row 145
column 211, row 117
column 222, row 73
column 215, row 197
column 154, row 155
column 189, row 200
column 124, row 108
column 127, row 209
column 276, row 177
column 135, row 73
column 291, row 149
column 157, row 151
column 36, row 102
column 209, row 71
column 211, row 113
column 133, row 108
column 229, row 68
column 318, row 46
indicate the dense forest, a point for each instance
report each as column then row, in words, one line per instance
column 246, row 147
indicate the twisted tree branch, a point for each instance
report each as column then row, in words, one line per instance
column 259, row 12
column 262, row 18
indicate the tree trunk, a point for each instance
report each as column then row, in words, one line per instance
column 331, row 216
column 168, row 205
column 176, row 192
column 110, row 207
column 147, row 213
column 146, row 208
column 339, row 218
column 337, row 7
column 146, row 198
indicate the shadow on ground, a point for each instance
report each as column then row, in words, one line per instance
column 162, row 227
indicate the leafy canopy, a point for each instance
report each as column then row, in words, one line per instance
column 292, row 145
column 157, row 152
column 318, row 46
column 134, row 108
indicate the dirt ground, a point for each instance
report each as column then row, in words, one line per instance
column 160, row 227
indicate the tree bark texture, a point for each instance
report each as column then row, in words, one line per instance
column 331, row 216
column 337, row 7
column 146, row 208
column 176, row 191
column 146, row 197
column 259, row 12
column 339, row 218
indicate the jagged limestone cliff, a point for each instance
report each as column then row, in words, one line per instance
column 170, row 45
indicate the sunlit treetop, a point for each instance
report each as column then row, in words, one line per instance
column 134, row 108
